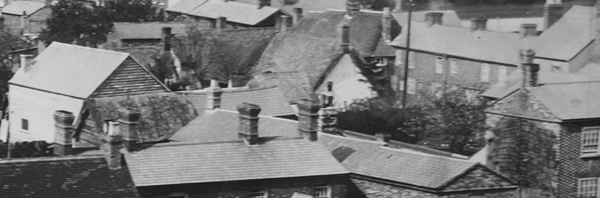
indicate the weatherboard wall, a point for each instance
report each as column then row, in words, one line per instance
column 128, row 79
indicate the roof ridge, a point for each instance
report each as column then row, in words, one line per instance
column 176, row 143
column 429, row 155
column 90, row 48
column 52, row 158
column 263, row 116
column 355, row 139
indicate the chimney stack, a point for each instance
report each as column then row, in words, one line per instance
column 383, row 137
column 299, row 14
column 553, row 11
column 345, row 36
column 327, row 119
column 386, row 24
column 432, row 18
column 63, row 124
column 213, row 95
column 166, row 38
column 263, row 3
column 478, row 24
column 308, row 116
column 112, row 143
column 248, row 123
column 286, row 23
column 220, row 23
column 26, row 61
column 528, row 30
column 530, row 69
column 352, row 7
column 398, row 6
column 128, row 122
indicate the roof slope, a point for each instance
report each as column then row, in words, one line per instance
column 11, row 42
column 69, row 69
column 73, row 176
column 222, row 125
column 570, row 100
column 230, row 161
column 234, row 11
column 18, row 7
column 145, row 30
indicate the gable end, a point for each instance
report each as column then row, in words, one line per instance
column 129, row 78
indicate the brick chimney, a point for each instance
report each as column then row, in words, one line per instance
column 308, row 116
column 528, row 30
column 383, row 137
column 286, row 23
column 213, row 95
column 248, row 123
column 128, row 122
column 386, row 24
column 63, row 126
column 553, row 11
column 112, row 143
column 220, row 23
column 166, row 38
column 345, row 38
column 263, row 3
column 327, row 119
column 26, row 61
column 352, row 7
column 530, row 69
column 432, row 18
column 398, row 6
column 299, row 14
column 478, row 24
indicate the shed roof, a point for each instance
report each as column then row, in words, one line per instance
column 69, row 69
column 234, row 11
column 222, row 125
column 18, row 7
column 145, row 30
column 181, row 163
column 72, row 176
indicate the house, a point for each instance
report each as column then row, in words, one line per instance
column 237, row 15
column 141, row 33
column 557, row 123
column 68, row 176
column 62, row 77
column 350, row 52
column 25, row 17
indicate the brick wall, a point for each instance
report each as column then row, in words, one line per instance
column 570, row 165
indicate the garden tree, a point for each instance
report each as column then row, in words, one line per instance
column 26, row 149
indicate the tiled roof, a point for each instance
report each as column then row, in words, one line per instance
column 234, row 11
column 145, row 30
column 222, row 125
column 17, row 7
column 271, row 100
column 162, row 114
column 373, row 159
column 69, row 69
column 570, row 100
column 73, row 176
column 177, row 163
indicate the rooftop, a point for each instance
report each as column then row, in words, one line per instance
column 145, row 30
column 234, row 11
column 18, row 7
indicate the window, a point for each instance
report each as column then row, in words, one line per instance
column 485, row 72
column 501, row 73
column 321, row 192
column 399, row 61
column 411, row 60
column 24, row 124
column 411, row 85
column 453, row 67
column 439, row 65
column 590, row 142
column 588, row 187
column 178, row 195
column 258, row 193
column 401, row 85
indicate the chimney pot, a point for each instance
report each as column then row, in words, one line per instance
column 478, row 24
column 213, row 95
column 434, row 18
column 308, row 115
column 63, row 123
column 530, row 69
column 299, row 14
column 166, row 38
column 128, row 122
column 352, row 7
column 248, row 122
column 345, row 36
column 528, row 30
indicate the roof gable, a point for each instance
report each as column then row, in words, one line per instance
column 70, row 70
column 479, row 177
column 129, row 78
column 18, row 7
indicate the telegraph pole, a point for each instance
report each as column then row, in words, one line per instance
column 407, row 50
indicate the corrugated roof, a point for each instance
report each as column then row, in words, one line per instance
column 17, row 7
column 145, row 30
column 222, row 125
column 271, row 100
column 72, row 176
column 234, row 11
column 373, row 159
column 572, row 33
column 169, row 163
column 570, row 100
column 69, row 69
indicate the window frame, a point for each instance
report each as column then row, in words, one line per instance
column 591, row 132
column 453, row 67
column 326, row 187
column 25, row 125
column 411, row 60
column 484, row 72
column 590, row 193
column 439, row 65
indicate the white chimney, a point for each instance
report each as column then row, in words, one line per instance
column 26, row 61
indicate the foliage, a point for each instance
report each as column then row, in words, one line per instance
column 83, row 24
column 26, row 149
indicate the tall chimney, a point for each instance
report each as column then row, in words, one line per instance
column 63, row 125
column 299, row 14
column 220, row 23
column 530, row 69
column 128, row 122
column 26, row 60
column 553, row 11
column 478, row 24
column 308, row 116
column 398, row 6
column 352, row 7
column 327, row 119
column 345, row 36
column 111, row 146
column 166, row 38
column 213, row 95
column 432, row 18
column 386, row 24
column 248, row 123
column 528, row 30
column 263, row 3
column 286, row 23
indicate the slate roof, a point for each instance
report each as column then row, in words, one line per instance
column 222, row 125
column 184, row 163
column 11, row 42
column 17, row 7
column 373, row 159
column 234, row 11
column 271, row 100
column 162, row 114
column 72, row 176
column 60, row 69
column 145, row 30
column 570, row 101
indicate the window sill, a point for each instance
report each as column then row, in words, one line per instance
column 590, row 155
